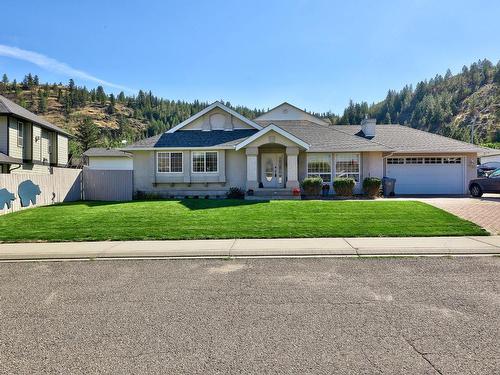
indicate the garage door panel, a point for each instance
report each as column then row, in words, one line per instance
column 427, row 178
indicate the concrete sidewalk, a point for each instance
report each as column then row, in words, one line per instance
column 368, row 246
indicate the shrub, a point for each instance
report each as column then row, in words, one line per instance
column 343, row 186
column 312, row 186
column 235, row 193
column 371, row 186
column 147, row 196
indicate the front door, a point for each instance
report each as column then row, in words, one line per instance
column 272, row 175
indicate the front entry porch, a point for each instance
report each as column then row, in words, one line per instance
column 272, row 167
column 272, row 172
column 273, row 162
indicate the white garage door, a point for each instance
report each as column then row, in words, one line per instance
column 427, row 175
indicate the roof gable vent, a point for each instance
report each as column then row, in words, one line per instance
column 368, row 127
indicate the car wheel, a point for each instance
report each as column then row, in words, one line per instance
column 475, row 191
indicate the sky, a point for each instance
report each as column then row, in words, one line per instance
column 316, row 55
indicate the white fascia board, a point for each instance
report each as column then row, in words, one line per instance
column 278, row 130
column 208, row 109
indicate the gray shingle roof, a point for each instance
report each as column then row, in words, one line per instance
column 8, row 107
column 405, row 139
column 106, row 152
column 195, row 138
column 321, row 138
column 325, row 137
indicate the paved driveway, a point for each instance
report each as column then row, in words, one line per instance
column 260, row 316
column 483, row 211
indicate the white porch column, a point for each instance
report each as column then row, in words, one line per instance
column 252, row 178
column 292, row 155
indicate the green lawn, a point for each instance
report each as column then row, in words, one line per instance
column 201, row 219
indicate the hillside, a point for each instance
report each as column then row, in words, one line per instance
column 445, row 105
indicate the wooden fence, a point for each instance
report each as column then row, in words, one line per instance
column 107, row 185
column 63, row 185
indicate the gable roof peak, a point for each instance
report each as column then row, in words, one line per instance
column 287, row 111
column 207, row 109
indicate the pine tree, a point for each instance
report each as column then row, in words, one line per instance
column 100, row 95
column 5, row 79
column 87, row 134
column 42, row 102
column 111, row 106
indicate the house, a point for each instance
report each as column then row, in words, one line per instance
column 28, row 143
column 494, row 156
column 218, row 148
column 108, row 159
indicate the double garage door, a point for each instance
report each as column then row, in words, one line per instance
column 427, row 175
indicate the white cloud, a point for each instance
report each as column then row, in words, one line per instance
column 55, row 66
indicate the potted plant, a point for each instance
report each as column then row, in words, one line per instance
column 371, row 186
column 344, row 186
column 312, row 186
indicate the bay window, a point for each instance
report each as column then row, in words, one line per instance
column 347, row 165
column 320, row 165
column 205, row 161
column 169, row 162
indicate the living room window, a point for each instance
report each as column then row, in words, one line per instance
column 20, row 134
column 205, row 161
column 320, row 165
column 347, row 165
column 169, row 162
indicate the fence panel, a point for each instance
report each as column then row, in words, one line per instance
column 63, row 185
column 107, row 185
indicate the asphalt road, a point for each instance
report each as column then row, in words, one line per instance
column 261, row 316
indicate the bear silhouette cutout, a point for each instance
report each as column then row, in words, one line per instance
column 27, row 192
column 6, row 198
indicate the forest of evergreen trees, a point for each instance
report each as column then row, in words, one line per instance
column 445, row 104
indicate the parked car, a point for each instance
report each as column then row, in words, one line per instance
column 486, row 168
column 489, row 184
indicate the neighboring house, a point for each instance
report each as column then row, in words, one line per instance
column 109, row 159
column 218, row 148
column 494, row 156
column 28, row 143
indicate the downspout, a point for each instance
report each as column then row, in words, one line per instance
column 13, row 169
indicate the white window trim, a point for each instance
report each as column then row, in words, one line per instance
column 169, row 152
column 205, row 152
column 309, row 155
column 360, row 166
column 20, row 139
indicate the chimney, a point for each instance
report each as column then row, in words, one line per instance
column 368, row 126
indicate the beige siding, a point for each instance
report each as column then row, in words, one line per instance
column 28, row 140
column 62, row 149
column 14, row 150
column 37, row 141
column 372, row 164
column 45, row 145
column 217, row 119
column 232, row 172
column 3, row 134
